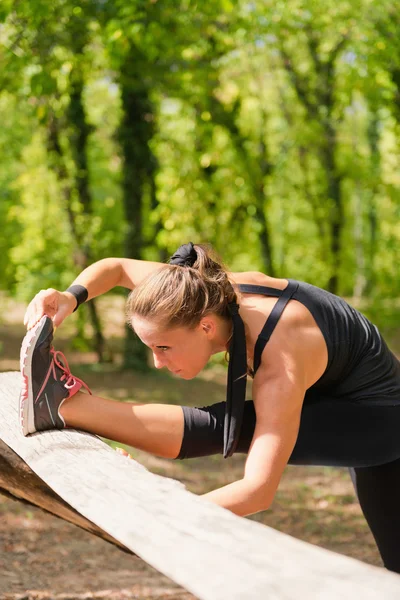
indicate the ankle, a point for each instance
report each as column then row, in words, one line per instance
column 67, row 407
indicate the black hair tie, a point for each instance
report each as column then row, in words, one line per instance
column 237, row 379
column 185, row 256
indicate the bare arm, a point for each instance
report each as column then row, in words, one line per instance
column 98, row 278
column 134, row 271
column 278, row 406
column 287, row 369
column 105, row 274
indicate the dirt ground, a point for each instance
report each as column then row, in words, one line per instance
column 42, row 557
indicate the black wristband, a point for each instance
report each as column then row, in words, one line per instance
column 80, row 293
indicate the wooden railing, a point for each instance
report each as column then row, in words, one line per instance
column 206, row 549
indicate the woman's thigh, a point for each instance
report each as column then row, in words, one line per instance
column 332, row 432
column 204, row 430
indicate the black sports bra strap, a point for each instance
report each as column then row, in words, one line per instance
column 259, row 289
column 272, row 321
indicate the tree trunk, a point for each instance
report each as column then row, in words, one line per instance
column 264, row 233
column 373, row 139
column 395, row 75
column 334, row 195
column 359, row 280
column 317, row 98
column 80, row 256
column 79, row 137
column 135, row 134
column 257, row 171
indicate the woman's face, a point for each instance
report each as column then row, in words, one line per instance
column 183, row 351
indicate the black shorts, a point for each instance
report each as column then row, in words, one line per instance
column 332, row 432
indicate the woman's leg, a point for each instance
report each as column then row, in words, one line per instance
column 155, row 428
column 184, row 432
column 50, row 399
column 161, row 429
column 204, row 430
column 378, row 491
column 331, row 433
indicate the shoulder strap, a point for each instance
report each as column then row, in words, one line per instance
column 272, row 321
column 259, row 289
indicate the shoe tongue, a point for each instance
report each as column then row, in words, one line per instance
column 74, row 388
column 46, row 335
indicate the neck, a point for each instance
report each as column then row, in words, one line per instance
column 223, row 337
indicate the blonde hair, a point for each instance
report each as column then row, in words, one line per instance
column 180, row 296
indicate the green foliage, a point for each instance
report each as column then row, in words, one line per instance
column 272, row 132
column 42, row 252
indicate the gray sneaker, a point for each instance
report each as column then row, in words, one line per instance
column 47, row 380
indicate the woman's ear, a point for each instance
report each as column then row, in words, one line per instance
column 207, row 324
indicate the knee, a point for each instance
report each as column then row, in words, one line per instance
column 203, row 431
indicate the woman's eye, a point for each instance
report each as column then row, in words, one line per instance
column 163, row 348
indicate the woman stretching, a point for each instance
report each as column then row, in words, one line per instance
column 326, row 388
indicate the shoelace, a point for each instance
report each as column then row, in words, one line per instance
column 71, row 380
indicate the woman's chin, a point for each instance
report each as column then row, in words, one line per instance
column 186, row 376
column 181, row 375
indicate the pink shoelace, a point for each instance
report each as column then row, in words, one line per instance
column 70, row 380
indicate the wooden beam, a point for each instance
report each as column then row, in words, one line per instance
column 18, row 481
column 206, row 549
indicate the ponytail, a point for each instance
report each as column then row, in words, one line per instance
column 180, row 294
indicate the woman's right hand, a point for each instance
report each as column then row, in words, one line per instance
column 50, row 302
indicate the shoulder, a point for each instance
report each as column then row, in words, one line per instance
column 296, row 347
column 257, row 278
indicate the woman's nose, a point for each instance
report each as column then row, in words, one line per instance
column 158, row 363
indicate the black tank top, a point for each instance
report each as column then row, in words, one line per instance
column 360, row 366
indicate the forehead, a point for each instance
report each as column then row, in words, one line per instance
column 152, row 334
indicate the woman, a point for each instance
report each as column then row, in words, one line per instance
column 326, row 388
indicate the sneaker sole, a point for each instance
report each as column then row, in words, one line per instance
column 26, row 410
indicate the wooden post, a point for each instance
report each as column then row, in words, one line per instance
column 206, row 549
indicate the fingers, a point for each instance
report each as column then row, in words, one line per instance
column 44, row 303
column 58, row 319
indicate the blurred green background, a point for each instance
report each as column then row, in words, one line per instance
column 270, row 129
